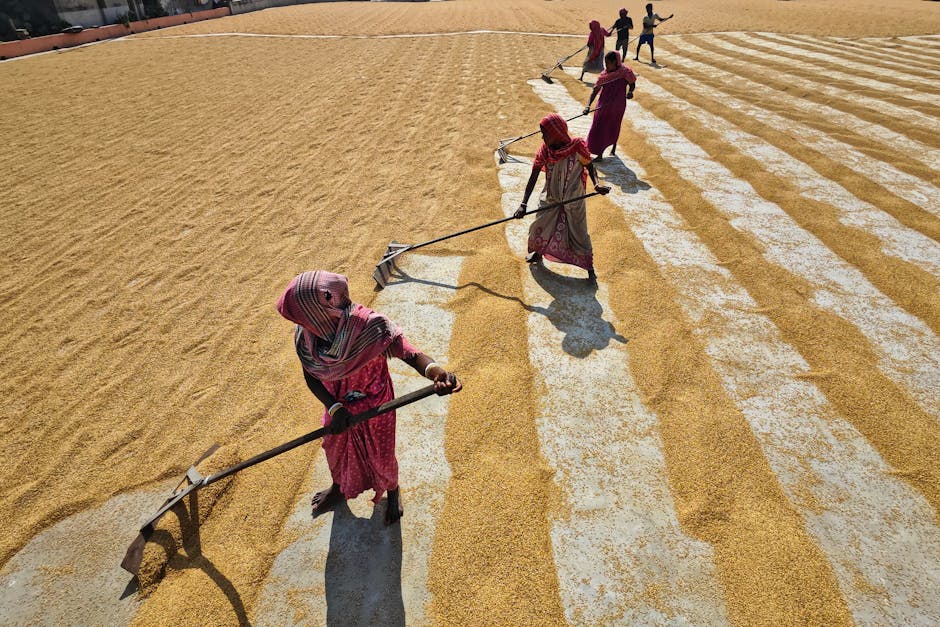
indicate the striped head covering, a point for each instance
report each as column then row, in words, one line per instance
column 334, row 336
column 556, row 132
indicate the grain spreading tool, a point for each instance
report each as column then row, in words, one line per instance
column 503, row 156
column 195, row 481
column 545, row 74
column 383, row 269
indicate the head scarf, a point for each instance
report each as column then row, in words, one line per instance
column 622, row 71
column 596, row 39
column 556, row 130
column 623, row 13
column 334, row 336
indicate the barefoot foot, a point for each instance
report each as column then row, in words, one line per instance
column 326, row 500
column 393, row 507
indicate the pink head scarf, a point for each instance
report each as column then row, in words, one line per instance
column 596, row 38
column 556, row 129
column 622, row 71
column 334, row 336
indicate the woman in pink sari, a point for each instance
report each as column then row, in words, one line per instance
column 594, row 62
column 616, row 85
column 343, row 348
column 561, row 234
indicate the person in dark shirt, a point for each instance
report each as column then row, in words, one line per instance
column 623, row 26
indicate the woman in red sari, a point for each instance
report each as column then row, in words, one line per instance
column 616, row 85
column 594, row 62
column 561, row 234
column 343, row 348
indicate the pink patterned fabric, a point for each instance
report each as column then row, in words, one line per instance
column 555, row 245
column 334, row 336
column 363, row 457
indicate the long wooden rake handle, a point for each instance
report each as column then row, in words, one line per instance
column 135, row 552
column 500, row 221
column 521, row 137
column 559, row 64
column 393, row 404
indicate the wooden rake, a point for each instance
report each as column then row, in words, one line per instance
column 383, row 269
column 196, row 481
column 545, row 75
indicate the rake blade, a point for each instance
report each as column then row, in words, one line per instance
column 547, row 79
column 383, row 269
column 382, row 273
column 394, row 248
column 501, row 155
column 135, row 554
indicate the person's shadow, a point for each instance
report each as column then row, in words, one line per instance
column 363, row 570
column 575, row 312
column 617, row 173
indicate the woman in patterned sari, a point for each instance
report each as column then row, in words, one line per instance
column 344, row 348
column 561, row 234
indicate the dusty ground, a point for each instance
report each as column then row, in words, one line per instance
column 158, row 193
column 814, row 17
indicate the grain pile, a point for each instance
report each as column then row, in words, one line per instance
column 160, row 191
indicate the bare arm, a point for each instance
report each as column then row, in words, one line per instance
column 339, row 415
column 592, row 172
column 533, row 177
column 319, row 390
column 444, row 382
column 594, row 93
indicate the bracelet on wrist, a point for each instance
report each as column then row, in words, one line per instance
column 333, row 409
column 428, row 367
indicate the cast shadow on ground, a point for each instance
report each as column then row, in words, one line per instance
column 399, row 276
column 363, row 570
column 192, row 557
column 575, row 311
column 617, row 173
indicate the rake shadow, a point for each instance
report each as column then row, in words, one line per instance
column 363, row 570
column 399, row 277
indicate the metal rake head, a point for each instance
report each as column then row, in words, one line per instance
column 383, row 269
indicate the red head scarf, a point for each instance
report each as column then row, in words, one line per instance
column 556, row 131
column 596, row 38
column 334, row 336
column 622, row 71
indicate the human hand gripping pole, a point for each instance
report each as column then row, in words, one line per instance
column 135, row 552
column 383, row 269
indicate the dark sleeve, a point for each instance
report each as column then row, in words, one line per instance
column 629, row 23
